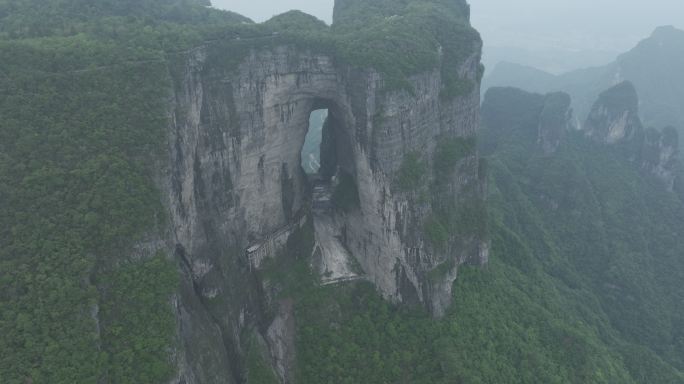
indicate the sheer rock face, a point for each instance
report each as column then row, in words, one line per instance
column 235, row 179
column 555, row 120
column 614, row 117
column 660, row 154
column 615, row 120
column 544, row 118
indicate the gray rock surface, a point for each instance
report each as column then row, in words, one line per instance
column 614, row 117
column 234, row 179
column 660, row 155
column 615, row 120
column 547, row 119
column 555, row 121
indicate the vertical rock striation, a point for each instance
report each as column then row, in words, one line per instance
column 234, row 183
column 546, row 119
column 614, row 120
column 660, row 154
column 615, row 115
column 555, row 121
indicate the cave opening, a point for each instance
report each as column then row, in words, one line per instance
column 311, row 151
column 327, row 163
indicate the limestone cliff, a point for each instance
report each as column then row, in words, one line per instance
column 660, row 154
column 614, row 120
column 239, row 198
column 615, row 115
column 555, row 121
column 545, row 119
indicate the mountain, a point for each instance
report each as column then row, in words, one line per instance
column 653, row 66
column 157, row 225
column 593, row 226
column 552, row 60
column 154, row 204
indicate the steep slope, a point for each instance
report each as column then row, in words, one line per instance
column 153, row 196
column 599, row 225
column 581, row 285
column 614, row 120
column 653, row 66
column 156, row 225
column 238, row 194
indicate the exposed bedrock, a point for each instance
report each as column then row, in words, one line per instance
column 546, row 119
column 615, row 115
column 235, row 186
column 615, row 120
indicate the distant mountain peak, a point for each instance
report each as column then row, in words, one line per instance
column 615, row 115
column 667, row 30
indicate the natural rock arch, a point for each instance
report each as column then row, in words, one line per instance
column 235, row 179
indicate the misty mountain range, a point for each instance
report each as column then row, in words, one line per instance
column 191, row 197
column 654, row 66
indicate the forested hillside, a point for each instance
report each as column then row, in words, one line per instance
column 82, row 105
column 653, row 66
column 584, row 278
column 581, row 287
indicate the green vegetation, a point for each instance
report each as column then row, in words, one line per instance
column 411, row 172
column 83, row 110
column 463, row 217
column 508, row 325
column 138, row 322
column 468, row 217
column 582, row 286
column 258, row 368
column 395, row 37
column 651, row 63
column 449, row 152
column 83, row 118
column 402, row 38
column 436, row 232
column 370, row 341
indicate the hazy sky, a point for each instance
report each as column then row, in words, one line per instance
column 608, row 25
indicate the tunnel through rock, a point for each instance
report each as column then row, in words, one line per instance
column 332, row 190
column 311, row 153
column 237, row 192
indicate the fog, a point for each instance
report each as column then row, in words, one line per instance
column 575, row 32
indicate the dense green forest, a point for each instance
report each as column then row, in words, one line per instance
column 83, row 87
column 583, row 285
column 653, row 66
column 83, row 116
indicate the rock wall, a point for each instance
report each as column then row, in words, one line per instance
column 615, row 115
column 660, row 155
column 614, row 120
column 546, row 119
column 234, row 179
column 555, row 121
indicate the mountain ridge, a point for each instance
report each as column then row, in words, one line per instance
column 651, row 65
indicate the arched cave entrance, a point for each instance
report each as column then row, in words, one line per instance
column 327, row 160
column 311, row 152
column 327, row 163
